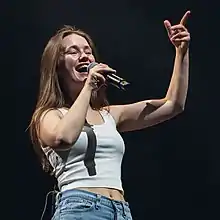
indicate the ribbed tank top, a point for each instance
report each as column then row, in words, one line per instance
column 68, row 163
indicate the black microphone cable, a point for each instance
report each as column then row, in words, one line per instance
column 53, row 198
column 53, row 194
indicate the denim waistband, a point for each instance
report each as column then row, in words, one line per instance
column 93, row 197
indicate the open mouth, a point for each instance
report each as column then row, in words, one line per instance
column 82, row 67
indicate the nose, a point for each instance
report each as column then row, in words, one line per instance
column 83, row 56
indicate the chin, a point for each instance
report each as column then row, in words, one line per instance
column 80, row 77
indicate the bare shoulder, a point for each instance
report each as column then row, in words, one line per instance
column 115, row 111
column 50, row 113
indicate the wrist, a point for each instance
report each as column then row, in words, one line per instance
column 88, row 87
column 183, row 55
column 181, row 51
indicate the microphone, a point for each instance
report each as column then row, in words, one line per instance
column 112, row 79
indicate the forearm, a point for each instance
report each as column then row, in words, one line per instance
column 177, row 91
column 70, row 126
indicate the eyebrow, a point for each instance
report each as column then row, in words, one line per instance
column 75, row 47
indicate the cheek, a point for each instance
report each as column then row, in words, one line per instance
column 91, row 58
column 70, row 62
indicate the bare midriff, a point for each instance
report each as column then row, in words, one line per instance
column 113, row 194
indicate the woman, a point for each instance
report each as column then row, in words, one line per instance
column 71, row 100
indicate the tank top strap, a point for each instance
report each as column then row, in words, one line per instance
column 104, row 113
column 63, row 110
column 108, row 117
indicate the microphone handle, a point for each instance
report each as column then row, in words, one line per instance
column 111, row 78
column 116, row 81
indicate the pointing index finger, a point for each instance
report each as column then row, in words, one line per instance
column 184, row 18
column 168, row 27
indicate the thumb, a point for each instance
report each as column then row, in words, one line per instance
column 167, row 25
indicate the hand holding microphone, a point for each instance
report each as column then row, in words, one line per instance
column 97, row 75
column 105, row 74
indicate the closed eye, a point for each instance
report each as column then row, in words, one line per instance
column 72, row 52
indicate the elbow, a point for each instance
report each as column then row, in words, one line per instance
column 53, row 140
column 63, row 137
column 178, row 108
column 175, row 107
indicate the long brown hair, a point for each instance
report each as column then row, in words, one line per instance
column 51, row 95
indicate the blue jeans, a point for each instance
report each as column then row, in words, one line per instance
column 82, row 205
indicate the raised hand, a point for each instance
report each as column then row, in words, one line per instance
column 178, row 34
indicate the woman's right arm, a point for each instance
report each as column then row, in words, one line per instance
column 56, row 129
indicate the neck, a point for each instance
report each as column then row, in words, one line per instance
column 72, row 91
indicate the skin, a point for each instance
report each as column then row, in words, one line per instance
column 57, row 130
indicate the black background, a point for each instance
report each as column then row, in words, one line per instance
column 170, row 171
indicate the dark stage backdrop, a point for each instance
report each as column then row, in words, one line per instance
column 170, row 171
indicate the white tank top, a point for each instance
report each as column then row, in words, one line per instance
column 69, row 167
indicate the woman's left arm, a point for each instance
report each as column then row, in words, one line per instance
column 150, row 112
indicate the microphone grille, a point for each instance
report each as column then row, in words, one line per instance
column 91, row 65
